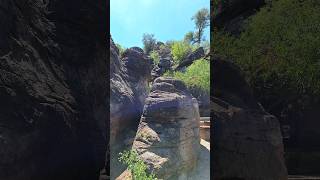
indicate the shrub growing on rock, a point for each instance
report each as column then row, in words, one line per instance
column 155, row 57
column 196, row 77
column 180, row 50
column 278, row 51
column 135, row 165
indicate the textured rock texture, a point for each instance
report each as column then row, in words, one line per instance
column 232, row 14
column 247, row 140
column 167, row 139
column 165, row 61
column 163, row 66
column 129, row 78
column 53, row 89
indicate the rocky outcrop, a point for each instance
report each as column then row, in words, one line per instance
column 129, row 79
column 247, row 140
column 197, row 54
column 167, row 139
column 230, row 15
column 53, row 89
column 163, row 66
column 165, row 61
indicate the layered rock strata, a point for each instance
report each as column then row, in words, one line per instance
column 168, row 139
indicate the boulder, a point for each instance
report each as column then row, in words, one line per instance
column 164, row 65
column 129, row 78
column 247, row 140
column 53, row 90
column 197, row 54
column 168, row 139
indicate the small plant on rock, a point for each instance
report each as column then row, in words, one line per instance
column 155, row 57
column 135, row 165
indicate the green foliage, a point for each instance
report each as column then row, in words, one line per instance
column 135, row 165
column 201, row 20
column 196, row 77
column 149, row 42
column 279, row 49
column 180, row 50
column 189, row 37
column 155, row 57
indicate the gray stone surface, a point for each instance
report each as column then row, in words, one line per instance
column 168, row 139
column 129, row 78
column 247, row 140
column 53, row 89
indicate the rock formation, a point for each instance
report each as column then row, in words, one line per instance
column 53, row 89
column 247, row 140
column 197, row 54
column 231, row 14
column 163, row 66
column 129, row 78
column 167, row 139
column 165, row 61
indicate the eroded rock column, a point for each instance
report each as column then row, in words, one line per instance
column 168, row 139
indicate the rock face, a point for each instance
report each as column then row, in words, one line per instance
column 129, row 78
column 165, row 61
column 231, row 14
column 247, row 140
column 163, row 66
column 167, row 139
column 197, row 54
column 53, row 89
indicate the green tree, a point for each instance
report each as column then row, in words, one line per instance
column 202, row 20
column 189, row 37
column 149, row 42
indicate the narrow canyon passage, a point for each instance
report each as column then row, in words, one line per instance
column 161, row 123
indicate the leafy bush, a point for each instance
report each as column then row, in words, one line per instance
column 155, row 57
column 180, row 50
column 196, row 77
column 279, row 49
column 135, row 165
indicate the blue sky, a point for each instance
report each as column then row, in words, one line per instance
column 166, row 19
